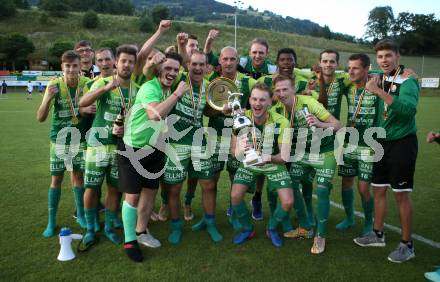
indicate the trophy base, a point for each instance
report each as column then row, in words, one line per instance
column 252, row 159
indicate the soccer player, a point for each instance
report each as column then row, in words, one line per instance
column 40, row 88
column 362, row 114
column 153, row 103
column 397, row 110
column 189, row 109
column 113, row 95
column 30, row 88
column 219, row 121
column 268, row 140
column 309, row 119
column 67, row 136
column 84, row 49
column 433, row 136
column 331, row 87
column 4, row 87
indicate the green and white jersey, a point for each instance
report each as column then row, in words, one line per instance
column 301, row 83
column 299, row 121
column 335, row 90
column 399, row 118
column 244, row 84
column 61, row 107
column 108, row 106
column 189, row 108
column 362, row 110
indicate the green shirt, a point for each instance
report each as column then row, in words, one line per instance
column 189, row 108
column 61, row 107
column 108, row 106
column 365, row 112
column 400, row 118
column 275, row 126
column 244, row 84
column 299, row 120
column 301, row 83
column 139, row 129
column 335, row 90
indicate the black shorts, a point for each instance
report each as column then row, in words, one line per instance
column 130, row 181
column 397, row 166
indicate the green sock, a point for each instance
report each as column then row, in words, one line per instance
column 176, row 231
column 53, row 199
column 347, row 202
column 272, row 199
column 277, row 217
column 129, row 218
column 212, row 229
column 164, row 196
column 368, row 212
column 188, row 198
column 307, row 192
column 300, row 209
column 79, row 204
column 323, row 208
column 108, row 227
column 242, row 213
column 90, row 215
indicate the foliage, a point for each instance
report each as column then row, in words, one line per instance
column 55, row 8
column 109, row 43
column 8, row 9
column 90, row 19
column 380, row 21
column 16, row 47
column 146, row 24
column 159, row 13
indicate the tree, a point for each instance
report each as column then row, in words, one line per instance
column 58, row 48
column 22, row 4
column 380, row 22
column 109, row 43
column 159, row 13
column 55, row 8
column 7, row 9
column 16, row 48
column 145, row 23
column 90, row 19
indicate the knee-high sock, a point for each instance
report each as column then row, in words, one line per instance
column 307, row 192
column 53, row 199
column 368, row 210
column 79, row 201
column 347, row 201
column 164, row 196
column 109, row 217
column 323, row 208
column 90, row 215
column 278, row 216
column 242, row 213
column 129, row 218
column 300, row 209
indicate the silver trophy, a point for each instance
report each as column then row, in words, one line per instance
column 240, row 121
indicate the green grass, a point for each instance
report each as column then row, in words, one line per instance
column 26, row 255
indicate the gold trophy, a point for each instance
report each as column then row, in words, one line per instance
column 119, row 121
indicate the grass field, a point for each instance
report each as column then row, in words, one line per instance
column 26, row 255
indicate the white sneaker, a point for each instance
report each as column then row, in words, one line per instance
column 148, row 240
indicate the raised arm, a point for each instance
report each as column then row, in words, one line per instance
column 94, row 93
column 158, row 111
column 44, row 108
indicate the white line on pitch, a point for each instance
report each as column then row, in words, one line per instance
column 392, row 227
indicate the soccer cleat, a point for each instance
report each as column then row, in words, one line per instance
column 318, row 245
column 112, row 236
column 148, row 240
column 345, row 224
column 257, row 213
column 433, row 276
column 49, row 231
column 243, row 236
column 133, row 251
column 370, row 240
column 163, row 213
column 273, row 236
column 402, row 253
column 199, row 225
column 188, row 213
column 87, row 242
column 299, row 233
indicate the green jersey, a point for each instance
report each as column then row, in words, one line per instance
column 61, row 106
column 399, row 118
column 299, row 121
column 189, row 108
column 139, row 129
column 276, row 124
column 244, row 84
column 108, row 106
column 139, row 79
column 335, row 90
column 362, row 110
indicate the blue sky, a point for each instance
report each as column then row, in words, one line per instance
column 345, row 16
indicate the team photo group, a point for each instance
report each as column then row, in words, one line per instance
column 147, row 120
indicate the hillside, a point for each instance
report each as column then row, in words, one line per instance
column 124, row 29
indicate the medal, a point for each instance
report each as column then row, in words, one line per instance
column 199, row 100
column 73, row 103
column 358, row 106
column 75, row 120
